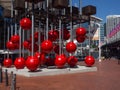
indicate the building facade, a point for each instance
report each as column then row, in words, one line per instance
column 113, row 28
column 112, row 46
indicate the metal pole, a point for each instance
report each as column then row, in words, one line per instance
column 32, row 29
column 39, row 36
column 5, row 30
column 71, row 25
column 20, row 43
column 99, row 43
column 12, row 16
column 28, row 32
column 60, row 37
column 11, row 77
column 60, row 33
column 23, row 38
column 15, row 22
column 47, row 22
column 71, row 28
column 8, row 35
column 80, row 13
column 39, row 31
column 6, row 78
column 89, row 28
column 23, row 32
column 80, row 8
column 13, row 85
column 1, row 75
column 62, row 50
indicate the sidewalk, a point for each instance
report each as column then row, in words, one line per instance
column 107, row 77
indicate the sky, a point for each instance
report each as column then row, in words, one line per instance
column 104, row 7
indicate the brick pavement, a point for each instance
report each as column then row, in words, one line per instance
column 106, row 78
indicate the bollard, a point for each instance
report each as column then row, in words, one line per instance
column 11, row 77
column 1, row 75
column 13, row 84
column 6, row 78
column 118, row 61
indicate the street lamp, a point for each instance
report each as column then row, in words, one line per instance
column 99, row 57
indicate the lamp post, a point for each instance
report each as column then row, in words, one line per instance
column 99, row 57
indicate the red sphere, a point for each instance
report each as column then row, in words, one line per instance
column 25, row 23
column 19, row 63
column 66, row 34
column 10, row 45
column 15, row 38
column 72, row 61
column 37, row 54
column 80, row 39
column 26, row 44
column 7, row 62
column 89, row 60
column 35, row 47
column 36, row 36
column 71, row 47
column 32, row 63
column 41, row 58
column 46, row 46
column 50, row 61
column 16, row 45
column 53, row 35
column 80, row 31
column 56, row 48
column 60, row 60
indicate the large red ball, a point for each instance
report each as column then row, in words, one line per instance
column 10, row 45
column 50, row 61
column 80, row 31
column 36, row 34
column 35, row 47
column 46, row 46
column 41, row 57
column 71, row 47
column 37, row 54
column 72, row 61
column 60, row 60
column 89, row 60
column 36, row 37
column 26, row 44
column 16, row 45
column 19, row 63
column 32, row 63
column 53, row 35
column 15, row 38
column 66, row 34
column 56, row 48
column 25, row 23
column 7, row 62
column 80, row 39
